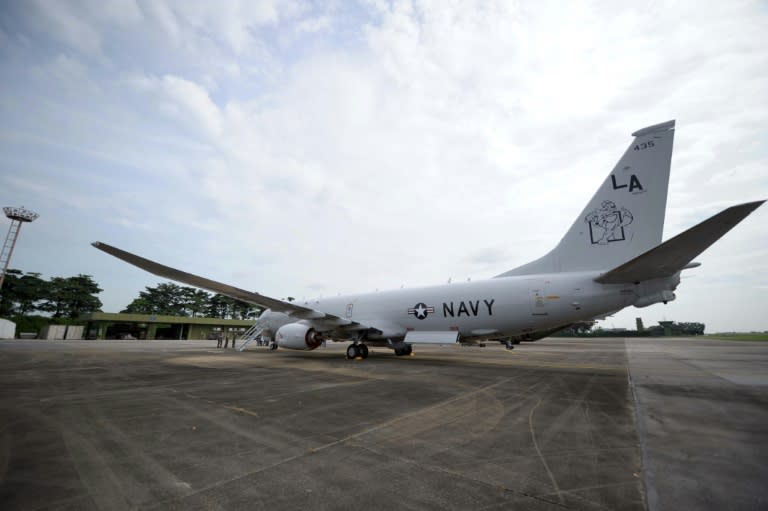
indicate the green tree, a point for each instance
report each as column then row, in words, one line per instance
column 175, row 300
column 195, row 300
column 140, row 305
column 22, row 293
column 219, row 306
column 224, row 307
column 244, row 310
column 167, row 299
column 71, row 296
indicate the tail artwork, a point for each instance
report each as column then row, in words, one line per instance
column 624, row 218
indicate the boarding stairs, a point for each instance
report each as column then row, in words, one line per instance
column 250, row 335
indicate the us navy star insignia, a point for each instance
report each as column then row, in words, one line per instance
column 420, row 310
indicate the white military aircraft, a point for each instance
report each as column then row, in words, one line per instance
column 611, row 257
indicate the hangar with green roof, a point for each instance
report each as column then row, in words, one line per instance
column 108, row 325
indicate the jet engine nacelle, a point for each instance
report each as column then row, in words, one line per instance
column 662, row 296
column 296, row 336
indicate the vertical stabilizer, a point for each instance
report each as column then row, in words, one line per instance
column 625, row 217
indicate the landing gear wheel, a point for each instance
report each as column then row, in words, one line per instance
column 509, row 345
column 272, row 346
column 404, row 351
column 363, row 351
column 353, row 351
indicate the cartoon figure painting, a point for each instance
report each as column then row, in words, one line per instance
column 607, row 223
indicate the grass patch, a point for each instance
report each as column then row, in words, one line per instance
column 732, row 336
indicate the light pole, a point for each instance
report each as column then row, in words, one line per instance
column 18, row 216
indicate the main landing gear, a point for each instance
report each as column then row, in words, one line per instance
column 360, row 350
column 404, row 350
column 357, row 350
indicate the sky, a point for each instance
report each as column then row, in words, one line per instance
column 301, row 148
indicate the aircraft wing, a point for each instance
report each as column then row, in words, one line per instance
column 217, row 287
column 674, row 254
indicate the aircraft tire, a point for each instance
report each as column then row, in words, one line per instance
column 363, row 349
column 272, row 346
column 353, row 351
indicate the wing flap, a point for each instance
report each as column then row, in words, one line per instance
column 218, row 287
column 676, row 253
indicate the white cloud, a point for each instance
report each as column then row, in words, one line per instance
column 163, row 15
column 196, row 27
column 63, row 24
column 318, row 24
column 183, row 100
column 81, row 24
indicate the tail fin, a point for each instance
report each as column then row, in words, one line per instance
column 624, row 218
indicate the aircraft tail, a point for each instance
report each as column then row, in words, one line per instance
column 625, row 218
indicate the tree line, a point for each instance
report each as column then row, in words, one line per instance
column 174, row 300
column 24, row 294
column 60, row 297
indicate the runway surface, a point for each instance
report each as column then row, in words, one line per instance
column 557, row 424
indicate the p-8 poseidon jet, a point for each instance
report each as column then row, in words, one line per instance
column 611, row 257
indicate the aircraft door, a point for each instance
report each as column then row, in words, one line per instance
column 538, row 301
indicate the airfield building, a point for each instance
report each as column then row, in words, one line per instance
column 107, row 325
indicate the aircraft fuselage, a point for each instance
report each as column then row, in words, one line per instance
column 489, row 308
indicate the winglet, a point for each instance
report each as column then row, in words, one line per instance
column 676, row 253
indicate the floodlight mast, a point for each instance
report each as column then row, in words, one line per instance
column 17, row 216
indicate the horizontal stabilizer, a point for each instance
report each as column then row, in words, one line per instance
column 217, row 287
column 674, row 254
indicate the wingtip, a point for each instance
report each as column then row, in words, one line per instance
column 751, row 205
column 744, row 208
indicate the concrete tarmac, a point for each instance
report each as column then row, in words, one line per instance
column 556, row 424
